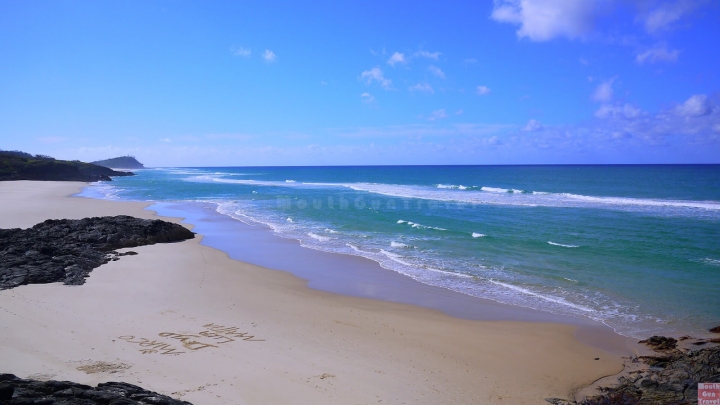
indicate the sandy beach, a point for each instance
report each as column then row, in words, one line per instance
column 185, row 320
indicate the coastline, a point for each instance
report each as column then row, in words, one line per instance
column 308, row 345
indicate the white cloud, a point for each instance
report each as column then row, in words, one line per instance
column 532, row 126
column 696, row 106
column 658, row 54
column 470, row 61
column 604, row 92
column 543, row 20
column 396, row 58
column 436, row 71
column 483, row 90
column 459, row 112
column 437, row 115
column 429, row 55
column 716, row 128
column 617, row 111
column 240, row 51
column 376, row 75
column 661, row 18
column 367, row 98
column 269, row 56
column 422, row 87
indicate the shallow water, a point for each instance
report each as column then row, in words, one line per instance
column 635, row 247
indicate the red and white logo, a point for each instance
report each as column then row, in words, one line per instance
column 709, row 394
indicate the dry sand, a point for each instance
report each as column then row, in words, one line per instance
column 185, row 320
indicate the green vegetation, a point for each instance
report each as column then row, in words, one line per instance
column 16, row 165
column 123, row 162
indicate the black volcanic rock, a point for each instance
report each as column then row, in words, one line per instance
column 715, row 329
column 660, row 343
column 670, row 379
column 68, row 250
column 14, row 390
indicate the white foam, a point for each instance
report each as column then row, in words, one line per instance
column 478, row 235
column 451, row 186
column 494, row 189
column 395, row 258
column 421, row 226
column 560, row 244
column 318, row 237
column 712, row 262
column 328, row 230
column 289, row 219
column 357, row 249
column 399, row 245
column 400, row 221
column 542, row 297
column 289, row 181
column 517, row 197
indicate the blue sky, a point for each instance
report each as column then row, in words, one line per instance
column 181, row 83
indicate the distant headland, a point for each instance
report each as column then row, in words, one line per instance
column 122, row 162
column 17, row 165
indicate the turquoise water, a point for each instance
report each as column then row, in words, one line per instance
column 635, row 247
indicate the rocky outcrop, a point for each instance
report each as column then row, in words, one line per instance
column 660, row 343
column 68, row 250
column 669, row 379
column 18, row 391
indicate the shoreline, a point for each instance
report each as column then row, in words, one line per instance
column 365, row 278
column 309, row 344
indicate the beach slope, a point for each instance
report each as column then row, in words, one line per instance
column 184, row 320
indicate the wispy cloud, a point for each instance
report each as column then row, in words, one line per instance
column 483, row 90
column 604, row 91
column 657, row 54
column 422, row 87
column 429, row 55
column 532, row 126
column 543, row 20
column 437, row 115
column 367, row 98
column 376, row 75
column 269, row 56
column 436, row 71
column 396, row 58
column 615, row 111
column 240, row 51
column 666, row 14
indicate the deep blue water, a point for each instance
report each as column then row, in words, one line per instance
column 636, row 247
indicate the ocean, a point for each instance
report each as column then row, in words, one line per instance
column 636, row 247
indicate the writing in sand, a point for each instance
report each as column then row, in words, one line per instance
column 212, row 336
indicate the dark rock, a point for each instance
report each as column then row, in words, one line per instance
column 660, row 343
column 6, row 391
column 715, row 329
column 68, row 250
column 671, row 379
column 48, row 393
